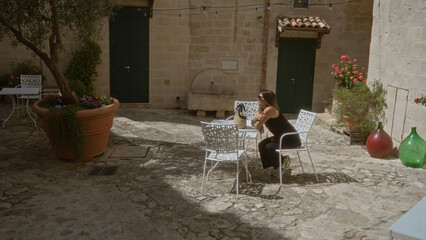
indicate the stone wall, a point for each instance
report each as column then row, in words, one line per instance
column 169, row 38
column 398, row 59
column 237, row 34
column 350, row 35
column 181, row 46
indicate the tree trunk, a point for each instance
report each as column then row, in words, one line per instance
column 52, row 62
column 60, row 79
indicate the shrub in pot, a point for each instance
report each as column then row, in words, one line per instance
column 362, row 105
column 81, row 71
column 346, row 74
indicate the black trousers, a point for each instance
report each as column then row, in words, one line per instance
column 268, row 155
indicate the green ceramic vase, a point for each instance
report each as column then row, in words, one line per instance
column 412, row 151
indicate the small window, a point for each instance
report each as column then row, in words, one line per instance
column 301, row 4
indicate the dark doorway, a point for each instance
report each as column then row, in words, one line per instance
column 295, row 74
column 129, row 55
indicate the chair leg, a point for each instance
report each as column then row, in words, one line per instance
column 257, row 152
column 238, row 171
column 29, row 112
column 281, row 171
column 18, row 106
column 300, row 161
column 211, row 170
column 248, row 174
column 312, row 163
column 204, row 173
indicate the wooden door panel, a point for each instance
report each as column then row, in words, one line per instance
column 129, row 55
column 296, row 63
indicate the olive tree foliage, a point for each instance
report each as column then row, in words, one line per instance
column 41, row 25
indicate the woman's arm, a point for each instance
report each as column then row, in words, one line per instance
column 256, row 118
column 262, row 117
column 255, row 122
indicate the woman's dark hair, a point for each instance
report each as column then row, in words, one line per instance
column 270, row 98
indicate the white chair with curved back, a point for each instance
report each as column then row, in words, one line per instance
column 303, row 126
column 223, row 144
column 29, row 81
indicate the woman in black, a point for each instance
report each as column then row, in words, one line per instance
column 270, row 116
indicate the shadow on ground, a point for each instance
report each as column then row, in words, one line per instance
column 57, row 199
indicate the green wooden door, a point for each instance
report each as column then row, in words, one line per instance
column 295, row 74
column 129, row 55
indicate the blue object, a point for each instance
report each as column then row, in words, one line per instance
column 412, row 225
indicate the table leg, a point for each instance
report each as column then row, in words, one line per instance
column 12, row 97
column 29, row 112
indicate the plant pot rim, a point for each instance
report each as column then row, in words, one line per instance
column 81, row 113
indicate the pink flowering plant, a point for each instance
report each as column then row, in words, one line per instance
column 13, row 81
column 86, row 102
column 421, row 100
column 347, row 72
column 96, row 101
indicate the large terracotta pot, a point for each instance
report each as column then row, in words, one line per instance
column 96, row 123
column 379, row 143
column 350, row 124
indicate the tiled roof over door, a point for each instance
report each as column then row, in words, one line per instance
column 314, row 24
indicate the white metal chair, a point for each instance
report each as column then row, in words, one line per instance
column 222, row 145
column 303, row 125
column 251, row 109
column 29, row 81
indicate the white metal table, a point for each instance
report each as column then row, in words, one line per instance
column 242, row 131
column 248, row 128
column 412, row 225
column 12, row 92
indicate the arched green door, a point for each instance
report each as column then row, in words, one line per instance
column 295, row 74
column 129, row 55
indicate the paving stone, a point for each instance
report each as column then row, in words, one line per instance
column 129, row 152
column 379, row 168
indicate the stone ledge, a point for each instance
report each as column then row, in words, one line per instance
column 327, row 121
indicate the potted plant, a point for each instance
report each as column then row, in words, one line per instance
column 421, row 100
column 12, row 79
column 77, row 131
column 8, row 81
column 361, row 107
column 54, row 19
column 346, row 74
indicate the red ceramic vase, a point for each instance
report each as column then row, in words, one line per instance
column 379, row 143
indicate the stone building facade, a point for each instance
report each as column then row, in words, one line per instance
column 398, row 59
column 189, row 36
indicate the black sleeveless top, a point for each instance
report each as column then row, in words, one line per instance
column 280, row 125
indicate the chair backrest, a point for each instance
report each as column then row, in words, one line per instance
column 222, row 138
column 251, row 108
column 31, row 81
column 304, row 122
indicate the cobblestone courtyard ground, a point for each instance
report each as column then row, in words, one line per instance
column 157, row 195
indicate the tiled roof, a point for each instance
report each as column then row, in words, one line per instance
column 302, row 23
column 314, row 24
